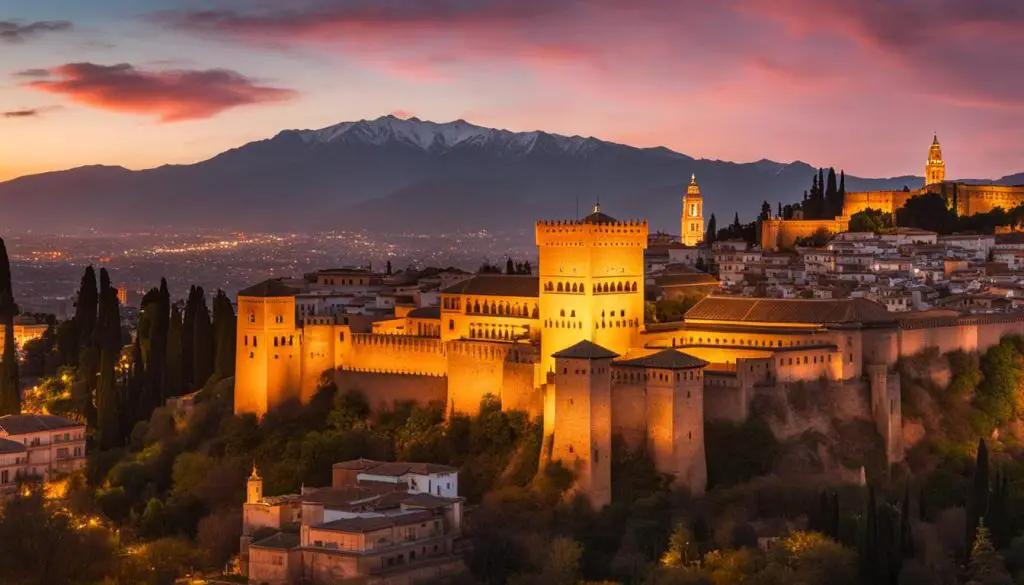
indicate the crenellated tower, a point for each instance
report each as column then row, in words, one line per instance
column 591, row 283
column 268, row 348
column 692, row 221
column 935, row 170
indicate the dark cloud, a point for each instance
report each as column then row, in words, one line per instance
column 12, row 31
column 28, row 112
column 32, row 73
column 170, row 95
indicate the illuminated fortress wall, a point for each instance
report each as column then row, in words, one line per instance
column 267, row 358
column 476, row 369
column 783, row 233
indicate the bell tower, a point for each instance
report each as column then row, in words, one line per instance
column 692, row 222
column 935, row 170
column 254, row 487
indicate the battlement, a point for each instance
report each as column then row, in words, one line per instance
column 627, row 233
column 515, row 353
column 399, row 342
column 395, row 371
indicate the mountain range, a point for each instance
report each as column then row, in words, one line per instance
column 407, row 175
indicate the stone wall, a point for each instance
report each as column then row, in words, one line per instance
column 384, row 390
column 782, row 233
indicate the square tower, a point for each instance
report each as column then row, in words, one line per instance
column 581, row 425
column 591, row 283
column 268, row 350
column 935, row 170
column 692, row 222
column 675, row 414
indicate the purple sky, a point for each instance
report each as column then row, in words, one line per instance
column 858, row 84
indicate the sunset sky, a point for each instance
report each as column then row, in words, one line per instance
column 858, row 84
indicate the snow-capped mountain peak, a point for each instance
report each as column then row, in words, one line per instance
column 434, row 136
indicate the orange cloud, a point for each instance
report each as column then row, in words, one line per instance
column 169, row 95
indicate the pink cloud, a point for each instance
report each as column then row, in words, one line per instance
column 169, row 95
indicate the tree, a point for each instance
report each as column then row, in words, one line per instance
column 766, row 211
column 510, row 266
column 108, row 399
column 870, row 220
column 712, row 232
column 986, row 566
column 831, row 196
column 999, row 511
column 387, row 270
column 10, row 382
column 224, row 331
column 927, row 211
column 977, row 504
column 907, row 548
column 682, row 548
column 86, row 306
column 188, row 333
column 157, row 309
column 736, row 222
column 203, row 344
column 43, row 544
column 173, row 383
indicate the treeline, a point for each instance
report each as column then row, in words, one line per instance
column 931, row 211
column 511, row 267
column 115, row 379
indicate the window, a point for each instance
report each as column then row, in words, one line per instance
column 246, row 342
column 252, row 317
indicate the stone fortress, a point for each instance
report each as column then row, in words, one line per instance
column 570, row 344
column 965, row 198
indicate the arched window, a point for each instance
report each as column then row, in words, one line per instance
column 634, row 287
column 574, row 287
column 620, row 287
column 451, row 324
column 622, row 312
column 246, row 342
column 291, row 340
column 275, row 341
column 559, row 287
column 255, row 341
column 572, row 313
column 561, row 313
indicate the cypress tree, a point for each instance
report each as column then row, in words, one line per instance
column 712, row 233
column 977, row 505
column 188, row 329
column 387, row 269
column 907, row 549
column 831, row 195
column 842, row 188
column 780, row 209
column 159, row 309
column 108, row 400
column 869, row 557
column 10, row 381
column 132, row 393
column 510, row 266
column 999, row 511
column 203, row 342
column 225, row 330
column 86, row 306
column 173, row 385
column 986, row 566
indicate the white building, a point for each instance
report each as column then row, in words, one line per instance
column 39, row 445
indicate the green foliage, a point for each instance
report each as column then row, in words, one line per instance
column 871, row 220
column 927, row 211
column 985, row 566
column 738, row 452
column 670, row 310
column 44, row 544
column 997, row 393
column 818, row 239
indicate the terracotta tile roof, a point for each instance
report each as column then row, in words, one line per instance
column 280, row 541
column 586, row 350
column 758, row 310
column 503, row 285
column 668, row 359
column 16, row 424
column 670, row 280
column 269, row 288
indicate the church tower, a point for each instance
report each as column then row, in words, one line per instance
column 254, row 487
column 935, row 170
column 692, row 221
column 591, row 283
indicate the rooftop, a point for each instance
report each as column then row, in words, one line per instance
column 502, row 285
column 269, row 288
column 17, row 424
column 9, row 446
column 371, row 523
column 393, row 468
column 760, row 310
column 280, row 541
column 433, row 312
column 668, row 359
column 586, row 350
